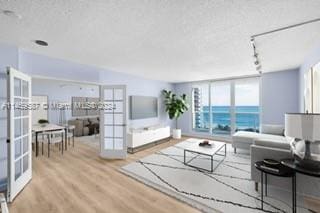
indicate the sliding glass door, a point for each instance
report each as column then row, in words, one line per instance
column 247, row 105
column 223, row 107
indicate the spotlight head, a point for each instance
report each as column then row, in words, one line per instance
column 258, row 68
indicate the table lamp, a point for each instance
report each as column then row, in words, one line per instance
column 305, row 128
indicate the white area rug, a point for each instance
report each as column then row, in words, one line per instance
column 227, row 189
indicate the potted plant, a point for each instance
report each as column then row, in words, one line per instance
column 43, row 122
column 175, row 107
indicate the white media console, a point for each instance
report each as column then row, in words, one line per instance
column 139, row 138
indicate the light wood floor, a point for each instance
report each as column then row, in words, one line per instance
column 80, row 181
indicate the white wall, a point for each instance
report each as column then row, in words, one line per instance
column 40, row 65
column 185, row 121
column 144, row 87
column 62, row 91
column 279, row 95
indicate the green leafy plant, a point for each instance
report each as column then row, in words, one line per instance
column 43, row 121
column 175, row 105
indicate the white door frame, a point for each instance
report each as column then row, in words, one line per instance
column 113, row 153
column 16, row 184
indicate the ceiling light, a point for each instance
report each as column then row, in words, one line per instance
column 41, row 43
column 11, row 14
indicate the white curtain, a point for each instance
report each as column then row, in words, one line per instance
column 308, row 92
column 316, row 88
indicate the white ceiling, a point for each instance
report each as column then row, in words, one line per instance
column 171, row 40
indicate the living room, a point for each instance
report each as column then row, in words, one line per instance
column 195, row 106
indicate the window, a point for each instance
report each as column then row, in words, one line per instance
column 224, row 107
column 200, row 108
column 247, row 105
column 221, row 108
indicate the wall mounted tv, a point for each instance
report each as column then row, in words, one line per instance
column 143, row 107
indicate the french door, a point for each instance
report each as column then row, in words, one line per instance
column 113, row 122
column 19, row 132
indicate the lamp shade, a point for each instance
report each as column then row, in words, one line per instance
column 303, row 126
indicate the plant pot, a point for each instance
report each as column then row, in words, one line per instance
column 43, row 125
column 176, row 133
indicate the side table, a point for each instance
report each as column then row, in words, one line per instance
column 290, row 163
column 280, row 171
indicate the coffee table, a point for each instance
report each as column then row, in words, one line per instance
column 215, row 148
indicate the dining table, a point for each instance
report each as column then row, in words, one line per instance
column 37, row 128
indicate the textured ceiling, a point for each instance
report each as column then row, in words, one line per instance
column 171, row 40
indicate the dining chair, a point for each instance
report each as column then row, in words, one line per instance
column 55, row 137
column 33, row 140
column 42, row 137
column 70, row 134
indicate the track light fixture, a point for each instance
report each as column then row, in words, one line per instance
column 255, row 56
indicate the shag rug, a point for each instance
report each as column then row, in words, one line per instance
column 228, row 189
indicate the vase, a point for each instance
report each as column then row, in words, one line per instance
column 306, row 154
column 176, row 133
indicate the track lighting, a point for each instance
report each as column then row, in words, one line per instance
column 255, row 56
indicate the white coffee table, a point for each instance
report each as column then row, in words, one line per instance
column 215, row 148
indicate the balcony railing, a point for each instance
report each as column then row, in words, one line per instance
column 221, row 122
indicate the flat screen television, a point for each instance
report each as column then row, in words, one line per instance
column 143, row 107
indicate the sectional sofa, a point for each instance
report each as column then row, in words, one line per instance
column 243, row 140
column 85, row 126
column 272, row 144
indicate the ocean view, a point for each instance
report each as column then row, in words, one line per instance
column 247, row 118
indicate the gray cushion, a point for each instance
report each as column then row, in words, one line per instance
column 272, row 129
column 94, row 120
column 244, row 137
column 280, row 144
column 86, row 122
column 249, row 137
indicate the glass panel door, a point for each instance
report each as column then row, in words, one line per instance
column 19, row 132
column 247, row 105
column 113, row 122
column 220, row 98
column 3, row 132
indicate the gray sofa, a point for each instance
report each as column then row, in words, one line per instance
column 85, row 126
column 262, row 149
column 272, row 144
column 243, row 140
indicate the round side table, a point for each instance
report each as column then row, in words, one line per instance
column 291, row 164
column 280, row 171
